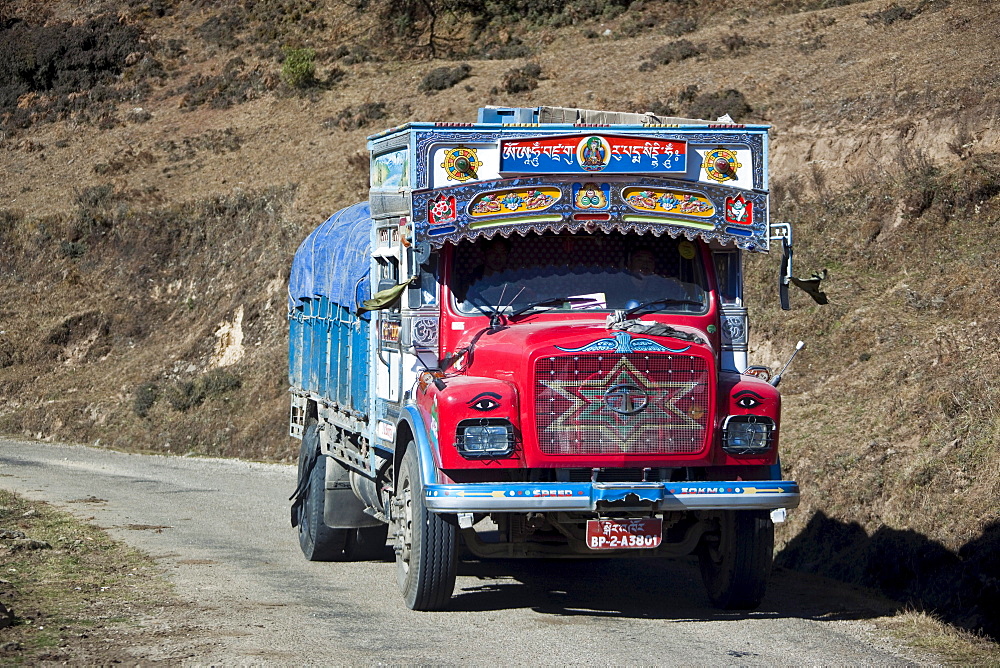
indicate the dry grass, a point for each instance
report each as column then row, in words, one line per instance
column 890, row 416
column 155, row 300
column 67, row 588
column 956, row 647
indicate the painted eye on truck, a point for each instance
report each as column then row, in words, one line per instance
column 484, row 402
column 748, row 399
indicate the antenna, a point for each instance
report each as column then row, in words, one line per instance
column 777, row 379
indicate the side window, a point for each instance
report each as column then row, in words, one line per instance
column 728, row 272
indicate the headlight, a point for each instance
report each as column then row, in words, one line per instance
column 486, row 437
column 747, row 434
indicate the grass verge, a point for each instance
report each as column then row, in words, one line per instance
column 69, row 592
column 954, row 646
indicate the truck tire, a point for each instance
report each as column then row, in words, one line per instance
column 736, row 562
column 426, row 546
column 318, row 541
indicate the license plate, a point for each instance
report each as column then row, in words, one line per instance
column 624, row 534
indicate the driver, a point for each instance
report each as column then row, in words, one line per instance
column 642, row 263
column 645, row 282
column 495, row 256
column 495, row 279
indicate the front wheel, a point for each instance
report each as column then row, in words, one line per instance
column 736, row 561
column 426, row 543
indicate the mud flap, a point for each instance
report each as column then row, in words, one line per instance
column 343, row 509
column 308, row 452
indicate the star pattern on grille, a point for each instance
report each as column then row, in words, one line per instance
column 588, row 409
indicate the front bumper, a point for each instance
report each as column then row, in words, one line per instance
column 597, row 496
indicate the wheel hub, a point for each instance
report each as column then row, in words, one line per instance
column 403, row 515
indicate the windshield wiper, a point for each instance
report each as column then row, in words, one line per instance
column 493, row 313
column 665, row 301
column 551, row 301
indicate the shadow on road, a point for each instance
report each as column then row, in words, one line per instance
column 960, row 587
column 668, row 589
column 830, row 570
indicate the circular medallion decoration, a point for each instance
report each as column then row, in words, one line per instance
column 721, row 165
column 461, row 164
column 626, row 399
column 686, row 249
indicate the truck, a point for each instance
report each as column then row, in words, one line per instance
column 531, row 342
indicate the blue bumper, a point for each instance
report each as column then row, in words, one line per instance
column 596, row 496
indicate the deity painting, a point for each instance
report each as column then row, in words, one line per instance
column 593, row 153
column 739, row 211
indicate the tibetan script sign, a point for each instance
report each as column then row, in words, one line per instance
column 592, row 154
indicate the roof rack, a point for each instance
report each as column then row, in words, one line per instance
column 576, row 116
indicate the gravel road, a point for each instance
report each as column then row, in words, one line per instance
column 220, row 530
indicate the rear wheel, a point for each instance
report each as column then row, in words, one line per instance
column 318, row 541
column 736, row 561
column 426, row 544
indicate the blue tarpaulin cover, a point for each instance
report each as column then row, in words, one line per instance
column 334, row 260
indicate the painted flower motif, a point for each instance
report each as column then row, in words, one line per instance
column 512, row 202
column 442, row 210
column 668, row 201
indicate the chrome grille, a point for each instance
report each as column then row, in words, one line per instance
column 636, row 403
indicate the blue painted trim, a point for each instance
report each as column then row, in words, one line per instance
column 623, row 342
column 468, row 227
column 665, row 496
column 775, row 469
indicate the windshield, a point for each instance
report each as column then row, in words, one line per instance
column 576, row 272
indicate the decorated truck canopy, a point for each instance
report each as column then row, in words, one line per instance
column 627, row 173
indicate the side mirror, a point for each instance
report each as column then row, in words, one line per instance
column 783, row 232
column 785, row 274
column 421, row 252
column 761, row 372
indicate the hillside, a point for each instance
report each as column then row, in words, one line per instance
column 162, row 159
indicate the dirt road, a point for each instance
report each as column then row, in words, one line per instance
column 220, row 529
